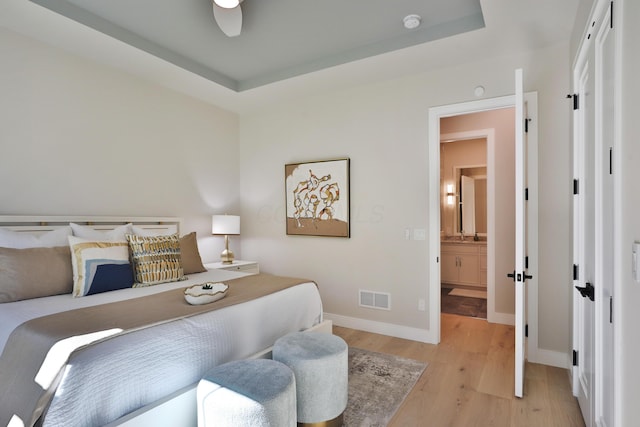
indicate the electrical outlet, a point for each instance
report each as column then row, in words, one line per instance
column 421, row 305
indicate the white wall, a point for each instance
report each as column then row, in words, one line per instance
column 78, row 138
column 383, row 128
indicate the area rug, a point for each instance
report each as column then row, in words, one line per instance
column 378, row 383
column 470, row 293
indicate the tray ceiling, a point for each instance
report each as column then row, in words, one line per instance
column 280, row 38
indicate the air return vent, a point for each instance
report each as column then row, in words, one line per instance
column 378, row 300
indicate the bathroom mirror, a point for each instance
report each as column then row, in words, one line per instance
column 471, row 212
column 468, row 158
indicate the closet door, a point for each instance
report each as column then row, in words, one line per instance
column 593, row 230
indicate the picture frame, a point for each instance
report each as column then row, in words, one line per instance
column 317, row 198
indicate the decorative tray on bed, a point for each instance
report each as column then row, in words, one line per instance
column 205, row 293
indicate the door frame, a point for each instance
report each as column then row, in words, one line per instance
column 435, row 114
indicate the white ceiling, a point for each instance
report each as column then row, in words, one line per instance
column 288, row 48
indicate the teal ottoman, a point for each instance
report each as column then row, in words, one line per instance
column 247, row 393
column 320, row 364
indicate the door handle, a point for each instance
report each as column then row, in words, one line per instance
column 519, row 277
column 588, row 291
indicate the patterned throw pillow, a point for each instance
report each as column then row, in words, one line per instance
column 156, row 259
column 99, row 266
column 189, row 253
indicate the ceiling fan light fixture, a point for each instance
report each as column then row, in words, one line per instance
column 227, row 4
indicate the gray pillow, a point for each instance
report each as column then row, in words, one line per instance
column 34, row 273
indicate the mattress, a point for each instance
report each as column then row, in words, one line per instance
column 114, row 377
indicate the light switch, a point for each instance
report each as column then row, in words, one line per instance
column 419, row 234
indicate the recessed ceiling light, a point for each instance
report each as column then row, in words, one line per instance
column 411, row 21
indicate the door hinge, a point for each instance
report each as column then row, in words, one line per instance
column 526, row 125
column 526, row 262
column 611, row 309
column 610, row 161
column 576, row 104
column 611, row 16
column 575, row 271
column 526, row 194
column 575, row 358
column 526, row 330
column 575, row 187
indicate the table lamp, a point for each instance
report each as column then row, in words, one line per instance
column 225, row 225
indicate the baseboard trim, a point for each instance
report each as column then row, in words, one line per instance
column 557, row 359
column 502, row 318
column 398, row 331
column 550, row 358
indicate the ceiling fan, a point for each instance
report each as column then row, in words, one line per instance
column 228, row 15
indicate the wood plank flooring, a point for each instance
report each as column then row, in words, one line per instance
column 469, row 380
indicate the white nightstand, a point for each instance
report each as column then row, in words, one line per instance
column 238, row 265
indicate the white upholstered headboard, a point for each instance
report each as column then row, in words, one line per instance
column 41, row 224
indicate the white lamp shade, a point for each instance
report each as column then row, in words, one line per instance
column 227, row 4
column 225, row 224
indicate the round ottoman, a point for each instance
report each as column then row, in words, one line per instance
column 247, row 393
column 320, row 364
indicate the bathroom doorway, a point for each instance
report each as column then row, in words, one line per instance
column 463, row 217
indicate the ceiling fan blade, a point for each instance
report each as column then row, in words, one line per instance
column 229, row 20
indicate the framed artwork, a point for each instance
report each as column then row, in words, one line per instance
column 317, row 196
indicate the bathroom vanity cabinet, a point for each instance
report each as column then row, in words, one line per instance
column 464, row 263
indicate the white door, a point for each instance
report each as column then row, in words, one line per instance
column 594, row 136
column 604, row 141
column 520, row 274
column 584, row 236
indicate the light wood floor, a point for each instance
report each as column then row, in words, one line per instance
column 469, row 379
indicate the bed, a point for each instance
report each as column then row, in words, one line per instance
column 143, row 374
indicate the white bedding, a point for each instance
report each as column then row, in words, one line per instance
column 106, row 381
column 15, row 313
